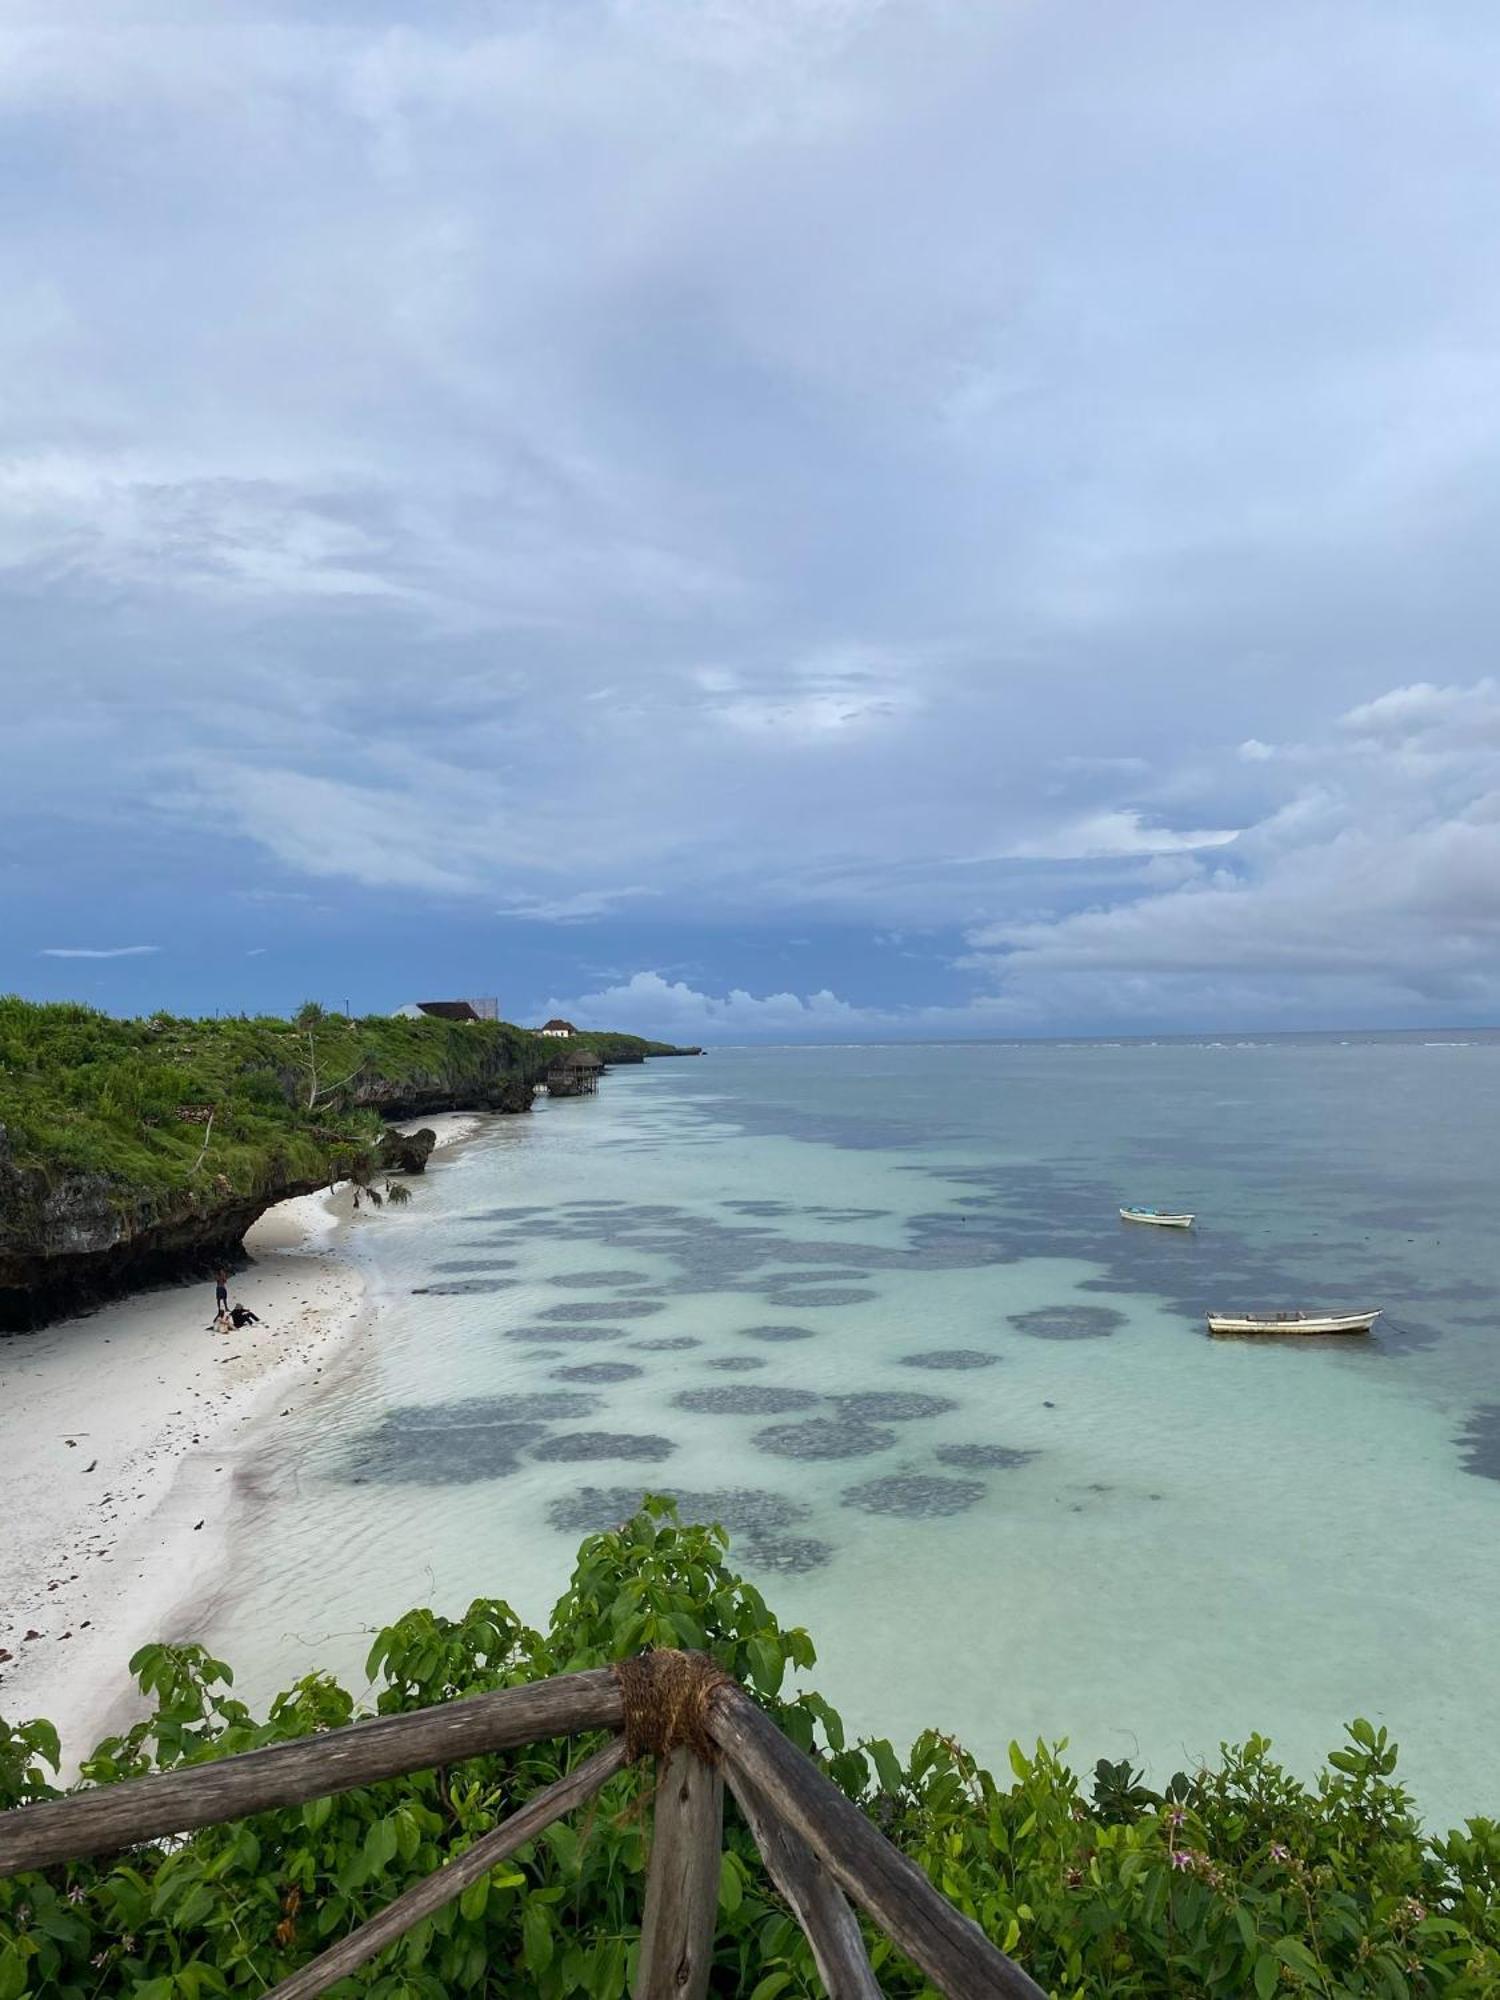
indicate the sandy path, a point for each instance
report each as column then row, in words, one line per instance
column 119, row 1437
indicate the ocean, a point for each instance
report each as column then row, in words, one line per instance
column 872, row 1307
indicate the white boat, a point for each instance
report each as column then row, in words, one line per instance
column 1292, row 1322
column 1159, row 1218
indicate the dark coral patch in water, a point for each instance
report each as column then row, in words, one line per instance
column 460, row 1264
column 570, row 1445
column 1480, row 1441
column 589, row 1280
column 777, row 1332
column 746, row 1400
column 811, row 1274
column 463, row 1287
column 544, row 1405
column 605, row 1309
column 454, row 1444
column 892, row 1406
column 673, row 1344
column 827, row 1295
column 757, row 1520
column 982, row 1457
column 599, row 1371
column 915, row 1496
column 950, row 1357
column 743, row 1510
column 823, row 1437
column 738, row 1364
column 1069, row 1322
column 505, row 1214
column 565, row 1333
column 392, row 1456
column 786, row 1555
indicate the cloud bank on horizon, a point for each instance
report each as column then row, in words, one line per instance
column 788, row 519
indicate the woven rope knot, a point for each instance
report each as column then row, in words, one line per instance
column 666, row 1696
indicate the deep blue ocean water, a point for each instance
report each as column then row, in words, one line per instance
column 874, row 1308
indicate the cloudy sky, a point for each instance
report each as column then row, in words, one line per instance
column 763, row 518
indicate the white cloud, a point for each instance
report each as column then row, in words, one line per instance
column 384, row 838
column 98, row 951
column 1110, row 835
column 1420, row 715
column 1379, row 883
column 832, row 693
column 649, row 1004
column 582, row 906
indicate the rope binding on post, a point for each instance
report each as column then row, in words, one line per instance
column 666, row 1695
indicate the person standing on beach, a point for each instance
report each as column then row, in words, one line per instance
column 221, row 1292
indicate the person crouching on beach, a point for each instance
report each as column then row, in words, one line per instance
column 242, row 1316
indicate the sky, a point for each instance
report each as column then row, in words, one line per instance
column 767, row 519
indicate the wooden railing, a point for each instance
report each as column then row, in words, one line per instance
column 820, row 1850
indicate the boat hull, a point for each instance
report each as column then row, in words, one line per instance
column 1292, row 1322
column 1157, row 1221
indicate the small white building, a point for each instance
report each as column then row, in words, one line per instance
column 558, row 1030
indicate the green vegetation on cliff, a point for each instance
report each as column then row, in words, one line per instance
column 131, row 1099
column 80, row 1089
column 1239, row 1880
column 137, row 1151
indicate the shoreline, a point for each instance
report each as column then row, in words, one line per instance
column 122, row 1436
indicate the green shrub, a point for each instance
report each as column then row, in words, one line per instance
column 1238, row 1880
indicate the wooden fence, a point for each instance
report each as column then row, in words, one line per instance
column 820, row 1850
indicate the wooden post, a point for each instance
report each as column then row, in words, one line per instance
column 951, row 1949
column 285, row 1774
column 828, row 1923
column 682, row 1882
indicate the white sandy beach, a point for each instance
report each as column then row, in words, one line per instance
column 119, row 1437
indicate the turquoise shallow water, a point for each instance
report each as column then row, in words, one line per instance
column 873, row 1307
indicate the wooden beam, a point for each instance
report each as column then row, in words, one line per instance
column 828, row 1923
column 110, row 1817
column 682, row 1881
column 428, row 1896
column 951, row 1949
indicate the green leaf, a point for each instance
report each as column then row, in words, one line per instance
column 471, row 1903
column 536, row 1938
column 1267, row 1974
column 731, row 1887
column 887, row 1765
column 12, row 1974
column 771, row 1985
column 193, row 1908
column 380, row 1846
column 1293, row 1952
column 770, row 1668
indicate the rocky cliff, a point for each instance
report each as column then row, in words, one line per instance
column 139, row 1152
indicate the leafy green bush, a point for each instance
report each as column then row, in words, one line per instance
column 1239, row 1880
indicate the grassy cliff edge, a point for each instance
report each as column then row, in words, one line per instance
column 137, row 1151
